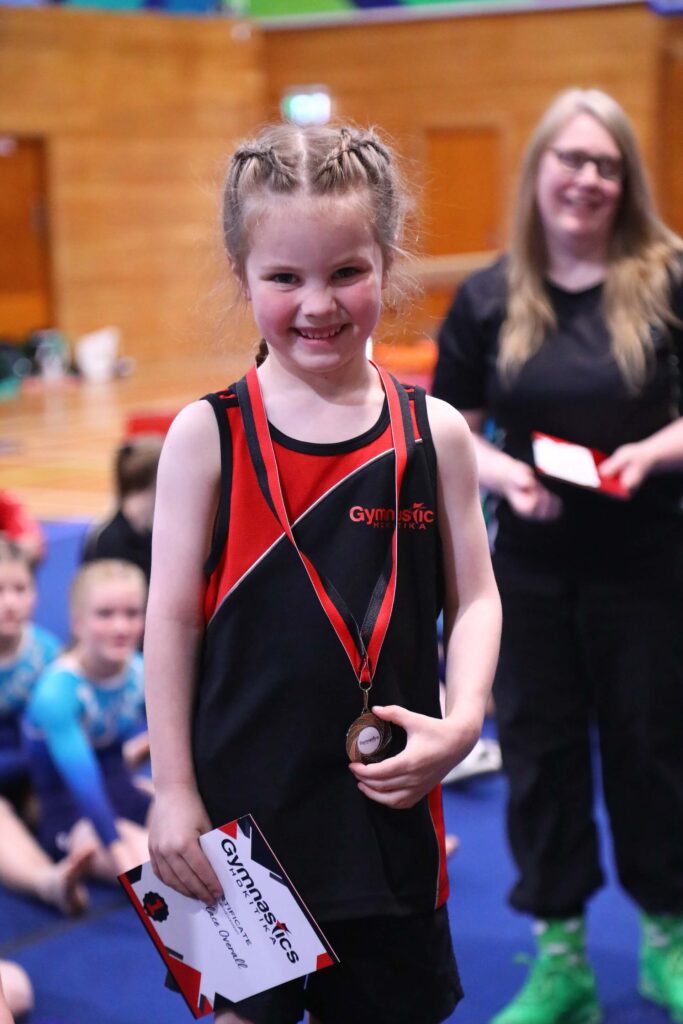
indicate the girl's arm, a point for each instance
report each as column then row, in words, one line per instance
column 472, row 621
column 56, row 711
column 186, row 501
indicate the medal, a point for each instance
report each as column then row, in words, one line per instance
column 368, row 737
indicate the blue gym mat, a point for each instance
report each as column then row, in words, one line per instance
column 102, row 969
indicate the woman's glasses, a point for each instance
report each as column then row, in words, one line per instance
column 610, row 168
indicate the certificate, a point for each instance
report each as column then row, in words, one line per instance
column 259, row 935
column 574, row 463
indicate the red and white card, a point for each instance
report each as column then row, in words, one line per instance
column 259, row 935
column 574, row 463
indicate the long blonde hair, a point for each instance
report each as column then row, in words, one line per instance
column 642, row 251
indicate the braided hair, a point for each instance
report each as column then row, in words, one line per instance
column 287, row 160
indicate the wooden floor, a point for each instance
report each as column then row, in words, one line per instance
column 57, row 438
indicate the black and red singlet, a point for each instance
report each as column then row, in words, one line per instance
column 277, row 690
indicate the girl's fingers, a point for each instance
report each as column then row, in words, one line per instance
column 167, row 875
column 185, row 880
column 198, row 863
column 398, row 798
column 385, row 785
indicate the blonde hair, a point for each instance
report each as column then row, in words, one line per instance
column 103, row 570
column 284, row 160
column 642, row 250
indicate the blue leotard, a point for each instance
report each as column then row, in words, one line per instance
column 74, row 732
column 18, row 678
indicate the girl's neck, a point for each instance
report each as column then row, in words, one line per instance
column 11, row 645
column 93, row 667
column 319, row 407
column 577, row 267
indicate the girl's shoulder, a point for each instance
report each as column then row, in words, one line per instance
column 447, row 425
column 56, row 691
column 192, row 444
column 135, row 672
column 43, row 643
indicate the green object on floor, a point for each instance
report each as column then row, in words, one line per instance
column 661, row 963
column 560, row 987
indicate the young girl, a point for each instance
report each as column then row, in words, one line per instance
column 25, row 652
column 83, row 709
column 306, row 520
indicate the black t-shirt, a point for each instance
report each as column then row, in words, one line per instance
column 116, row 538
column 570, row 388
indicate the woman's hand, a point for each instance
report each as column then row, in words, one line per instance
column 527, row 496
column 433, row 747
column 178, row 819
column 630, row 465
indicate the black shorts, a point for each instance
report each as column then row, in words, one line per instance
column 392, row 970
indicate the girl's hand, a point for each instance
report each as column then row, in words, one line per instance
column 434, row 746
column 178, row 819
column 630, row 464
column 527, row 496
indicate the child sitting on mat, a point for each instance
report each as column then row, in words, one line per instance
column 84, row 708
column 25, row 652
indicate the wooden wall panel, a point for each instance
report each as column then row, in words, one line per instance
column 670, row 140
column 138, row 113
column 25, row 292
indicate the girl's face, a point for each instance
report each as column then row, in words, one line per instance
column 17, row 598
column 578, row 204
column 108, row 621
column 314, row 276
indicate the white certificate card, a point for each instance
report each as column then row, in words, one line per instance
column 258, row 936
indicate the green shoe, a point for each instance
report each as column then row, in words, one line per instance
column 661, row 963
column 560, row 988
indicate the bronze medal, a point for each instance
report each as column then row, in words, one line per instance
column 367, row 738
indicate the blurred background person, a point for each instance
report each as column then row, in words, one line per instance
column 577, row 333
column 26, row 650
column 84, row 708
column 127, row 533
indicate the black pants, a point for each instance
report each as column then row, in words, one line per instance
column 583, row 646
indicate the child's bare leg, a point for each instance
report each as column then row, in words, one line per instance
column 132, row 848
column 144, row 783
column 26, row 867
column 136, row 840
column 17, row 988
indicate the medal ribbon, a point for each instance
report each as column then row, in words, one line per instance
column 362, row 655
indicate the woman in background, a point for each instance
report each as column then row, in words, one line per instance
column 576, row 333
